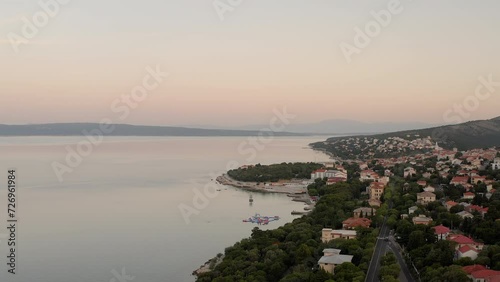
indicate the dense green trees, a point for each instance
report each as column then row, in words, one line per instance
column 291, row 253
column 274, row 172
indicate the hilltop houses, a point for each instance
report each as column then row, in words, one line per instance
column 332, row 258
column 334, row 176
column 368, row 175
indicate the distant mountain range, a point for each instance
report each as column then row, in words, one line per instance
column 464, row 136
column 76, row 129
column 340, row 127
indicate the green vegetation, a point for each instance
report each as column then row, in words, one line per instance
column 390, row 269
column 291, row 253
column 274, row 172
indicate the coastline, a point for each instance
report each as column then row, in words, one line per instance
column 296, row 194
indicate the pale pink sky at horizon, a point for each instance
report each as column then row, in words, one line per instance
column 264, row 55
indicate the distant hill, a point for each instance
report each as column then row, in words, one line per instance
column 465, row 136
column 345, row 126
column 75, row 129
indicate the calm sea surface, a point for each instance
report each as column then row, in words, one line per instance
column 119, row 209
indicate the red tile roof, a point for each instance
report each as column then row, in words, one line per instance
column 440, row 229
column 487, row 273
column 355, row 222
column 451, row 203
column 473, row 268
column 466, row 248
column 461, row 239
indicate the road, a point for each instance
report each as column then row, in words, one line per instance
column 381, row 247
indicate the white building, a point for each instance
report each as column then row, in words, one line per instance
column 331, row 258
column 328, row 234
column 496, row 164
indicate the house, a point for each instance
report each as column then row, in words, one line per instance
column 426, row 197
column 450, row 204
column 467, row 252
column 376, row 189
column 374, row 203
column 469, row 269
column 409, row 172
column 368, row 175
column 353, row 222
column 319, row 173
column 460, row 180
column 468, row 196
column 478, row 179
column 328, row 234
column 421, row 219
column 430, row 189
column 487, row 275
column 364, row 212
column 413, row 209
column 496, row 164
column 422, row 183
column 473, row 208
column 334, row 180
column 332, row 258
column 462, row 240
column 465, row 214
column 441, row 232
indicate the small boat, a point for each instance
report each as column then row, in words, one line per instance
column 251, row 199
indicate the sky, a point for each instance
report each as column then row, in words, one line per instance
column 233, row 62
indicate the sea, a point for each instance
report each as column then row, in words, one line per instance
column 144, row 209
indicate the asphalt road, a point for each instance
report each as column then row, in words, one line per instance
column 381, row 247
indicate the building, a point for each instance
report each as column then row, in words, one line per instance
column 478, row 179
column 465, row 214
column 409, row 172
column 376, row 189
column 364, row 212
column 441, row 232
column 460, row 180
column 353, row 222
column 468, row 196
column 368, row 175
column 450, row 204
column 374, row 203
column 413, row 209
column 331, row 258
column 422, row 183
column 328, row 234
column 487, row 275
column 426, row 197
column 496, row 164
column 422, row 219
column 462, row 241
column 467, row 252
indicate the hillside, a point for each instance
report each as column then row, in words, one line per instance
column 465, row 136
column 75, row 129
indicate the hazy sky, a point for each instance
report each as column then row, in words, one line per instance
column 262, row 55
